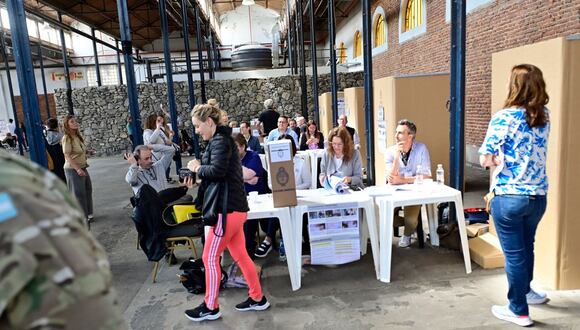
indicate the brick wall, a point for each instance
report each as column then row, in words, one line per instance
column 497, row 26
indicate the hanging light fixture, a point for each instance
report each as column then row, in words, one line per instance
column 248, row 2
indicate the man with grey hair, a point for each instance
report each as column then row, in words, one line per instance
column 269, row 117
column 143, row 170
column 404, row 162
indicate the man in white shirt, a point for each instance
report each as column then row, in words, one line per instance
column 342, row 121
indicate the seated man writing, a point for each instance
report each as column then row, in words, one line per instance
column 143, row 170
column 403, row 160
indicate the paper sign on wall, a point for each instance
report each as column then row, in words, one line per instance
column 382, row 130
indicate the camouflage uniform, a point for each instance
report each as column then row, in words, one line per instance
column 53, row 273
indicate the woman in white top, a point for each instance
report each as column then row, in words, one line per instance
column 155, row 133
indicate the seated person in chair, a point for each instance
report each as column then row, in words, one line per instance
column 143, row 170
column 402, row 161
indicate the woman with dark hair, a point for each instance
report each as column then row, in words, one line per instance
column 75, row 166
column 341, row 159
column 54, row 147
column 220, row 164
column 312, row 138
column 516, row 142
column 156, row 133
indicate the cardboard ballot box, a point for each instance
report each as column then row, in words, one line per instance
column 354, row 109
column 325, row 122
column 281, row 172
column 557, row 240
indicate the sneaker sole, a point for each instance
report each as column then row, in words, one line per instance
column 521, row 322
column 209, row 317
column 537, row 301
column 263, row 255
column 255, row 308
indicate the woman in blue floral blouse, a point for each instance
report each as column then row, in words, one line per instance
column 516, row 143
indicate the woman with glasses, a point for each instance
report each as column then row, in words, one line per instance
column 341, row 160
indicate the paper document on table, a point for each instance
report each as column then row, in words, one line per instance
column 335, row 184
column 334, row 234
column 304, row 193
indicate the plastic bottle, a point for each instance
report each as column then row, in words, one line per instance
column 282, row 251
column 440, row 174
column 419, row 175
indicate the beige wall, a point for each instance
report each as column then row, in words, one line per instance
column 354, row 103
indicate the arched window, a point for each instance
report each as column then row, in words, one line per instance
column 341, row 53
column 357, row 44
column 379, row 29
column 413, row 14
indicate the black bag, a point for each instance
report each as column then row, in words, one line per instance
column 193, row 277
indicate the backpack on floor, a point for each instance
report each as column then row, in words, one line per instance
column 193, row 277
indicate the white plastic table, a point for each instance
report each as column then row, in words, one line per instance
column 261, row 207
column 427, row 193
column 319, row 197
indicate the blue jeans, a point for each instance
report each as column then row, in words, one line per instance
column 516, row 219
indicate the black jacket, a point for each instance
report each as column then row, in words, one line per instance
column 221, row 162
column 147, row 210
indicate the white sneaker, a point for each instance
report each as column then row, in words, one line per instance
column 405, row 241
column 504, row 313
column 536, row 298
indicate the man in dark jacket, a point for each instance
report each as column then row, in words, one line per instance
column 269, row 117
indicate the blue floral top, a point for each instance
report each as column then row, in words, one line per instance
column 522, row 151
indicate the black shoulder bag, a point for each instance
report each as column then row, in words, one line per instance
column 210, row 209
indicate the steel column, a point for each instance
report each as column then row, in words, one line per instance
column 199, row 51
column 40, row 58
column 97, row 69
column 289, row 39
column 11, row 90
column 368, row 82
column 191, row 87
column 26, row 81
column 169, row 76
column 331, row 37
column 314, row 62
column 457, row 120
column 125, row 31
column 119, row 66
column 303, row 85
column 66, row 69
column 209, row 49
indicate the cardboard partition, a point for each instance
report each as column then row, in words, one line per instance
column 421, row 99
column 325, row 121
column 354, row 109
column 557, row 240
column 281, row 172
column 485, row 251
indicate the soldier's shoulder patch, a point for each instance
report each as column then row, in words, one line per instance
column 7, row 208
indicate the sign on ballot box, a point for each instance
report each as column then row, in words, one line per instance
column 279, row 154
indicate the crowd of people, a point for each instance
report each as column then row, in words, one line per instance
column 516, row 143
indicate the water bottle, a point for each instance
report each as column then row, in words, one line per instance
column 419, row 175
column 440, row 174
column 282, row 251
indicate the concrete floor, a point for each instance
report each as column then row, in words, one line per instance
column 429, row 287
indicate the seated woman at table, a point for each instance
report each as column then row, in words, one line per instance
column 341, row 160
column 312, row 138
column 253, row 175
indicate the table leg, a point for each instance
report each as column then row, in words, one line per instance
column 433, row 223
column 292, row 251
column 386, row 239
column 370, row 218
column 462, row 232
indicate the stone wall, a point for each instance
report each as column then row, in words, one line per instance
column 103, row 111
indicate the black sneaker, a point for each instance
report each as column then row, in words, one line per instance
column 252, row 305
column 201, row 313
column 263, row 249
